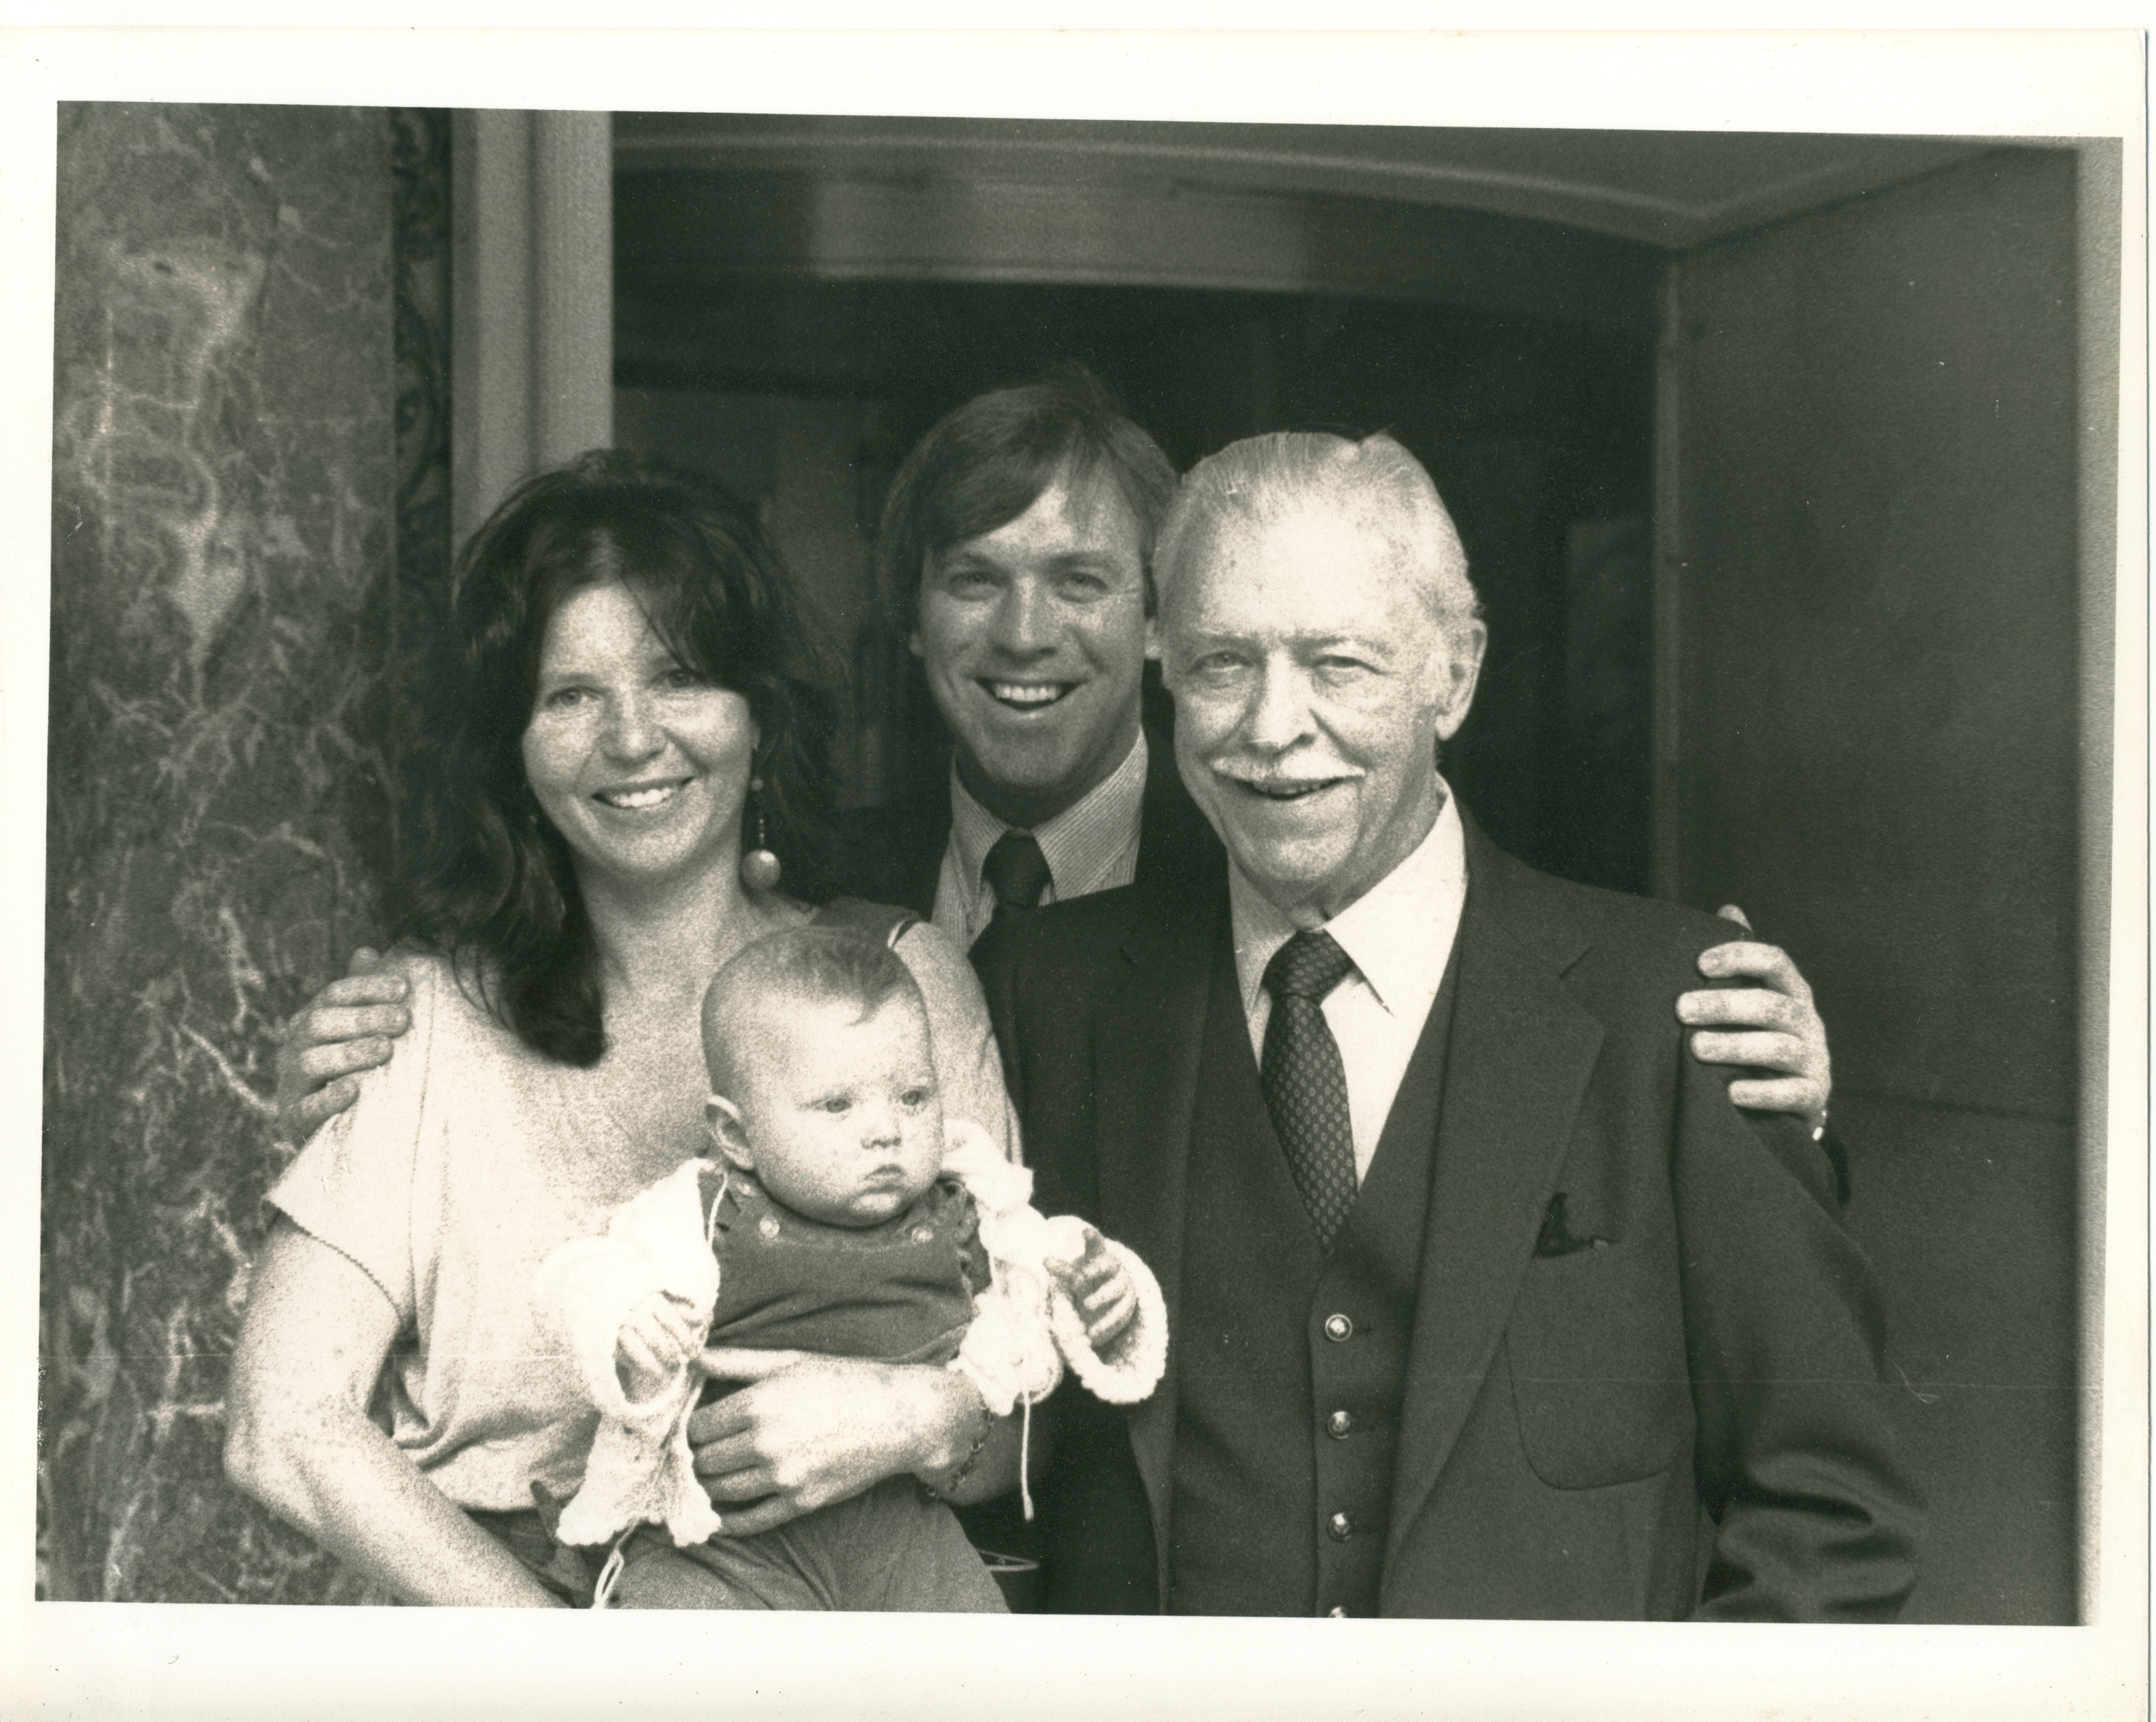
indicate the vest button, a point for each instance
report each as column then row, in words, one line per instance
column 1340, row 1426
column 1338, row 1327
column 1339, row 1527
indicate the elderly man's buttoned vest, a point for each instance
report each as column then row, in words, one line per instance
column 1291, row 1364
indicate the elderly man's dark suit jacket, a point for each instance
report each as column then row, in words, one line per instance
column 1665, row 1403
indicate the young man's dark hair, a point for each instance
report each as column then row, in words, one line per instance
column 987, row 462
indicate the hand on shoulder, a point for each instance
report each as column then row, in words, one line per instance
column 1771, row 1027
column 348, row 1028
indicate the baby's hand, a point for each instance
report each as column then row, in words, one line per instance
column 655, row 1339
column 1100, row 1286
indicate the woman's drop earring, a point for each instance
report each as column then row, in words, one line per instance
column 759, row 867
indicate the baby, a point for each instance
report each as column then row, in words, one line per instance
column 846, row 1216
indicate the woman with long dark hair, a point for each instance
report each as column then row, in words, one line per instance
column 625, row 784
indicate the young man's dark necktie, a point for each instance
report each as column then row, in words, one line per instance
column 1017, row 872
column 1305, row 1083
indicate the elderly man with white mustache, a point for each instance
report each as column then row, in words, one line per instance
column 1485, row 1299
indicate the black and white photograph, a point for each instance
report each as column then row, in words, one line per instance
column 1411, row 769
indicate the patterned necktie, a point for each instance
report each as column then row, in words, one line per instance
column 1017, row 872
column 1305, row 1083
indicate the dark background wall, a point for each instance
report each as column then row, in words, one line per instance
column 1879, row 755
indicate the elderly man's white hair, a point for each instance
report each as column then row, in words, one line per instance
column 1379, row 485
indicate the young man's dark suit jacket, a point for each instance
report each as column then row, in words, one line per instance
column 1665, row 1403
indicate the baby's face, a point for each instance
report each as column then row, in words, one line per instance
column 842, row 1115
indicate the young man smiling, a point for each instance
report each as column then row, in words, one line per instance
column 1013, row 551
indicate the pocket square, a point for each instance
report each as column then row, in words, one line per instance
column 1556, row 1236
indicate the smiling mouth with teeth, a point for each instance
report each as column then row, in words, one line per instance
column 1026, row 696
column 630, row 800
column 1287, row 789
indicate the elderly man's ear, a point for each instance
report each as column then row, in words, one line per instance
column 1460, row 666
column 729, row 1135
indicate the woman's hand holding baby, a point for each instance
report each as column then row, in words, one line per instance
column 808, row 1430
column 1100, row 1288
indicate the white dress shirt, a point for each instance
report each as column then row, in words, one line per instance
column 1092, row 845
column 1399, row 934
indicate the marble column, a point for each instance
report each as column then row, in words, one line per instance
column 225, row 600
